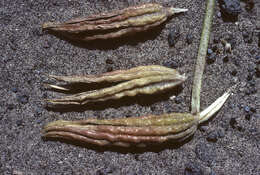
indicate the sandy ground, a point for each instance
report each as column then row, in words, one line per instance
column 27, row 52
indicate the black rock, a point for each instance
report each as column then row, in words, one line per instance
column 230, row 8
column 192, row 169
column 173, row 36
column 189, row 38
column 213, row 136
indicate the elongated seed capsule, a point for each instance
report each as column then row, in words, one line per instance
column 118, row 75
column 115, row 24
column 144, row 129
column 137, row 131
column 139, row 80
column 147, row 85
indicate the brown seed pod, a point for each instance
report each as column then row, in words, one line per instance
column 133, row 131
column 125, row 131
column 114, row 24
column 139, row 80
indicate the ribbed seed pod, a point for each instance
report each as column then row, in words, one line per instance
column 139, row 80
column 126, row 131
column 136, row 131
column 114, row 24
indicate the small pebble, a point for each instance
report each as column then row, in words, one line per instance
column 230, row 8
column 248, row 116
column 247, row 109
column 44, row 95
column 221, row 133
column 248, row 36
column 178, row 100
column 46, row 45
column 109, row 61
column 219, row 15
column 173, row 36
column 192, row 169
column 189, row 38
column 210, row 51
column 215, row 48
column 225, row 59
column 252, row 109
column 19, row 122
column 203, row 128
column 14, row 89
column 233, row 72
column 212, row 136
column 171, row 64
column 233, row 122
column 211, row 58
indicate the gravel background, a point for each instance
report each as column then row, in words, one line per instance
column 227, row 144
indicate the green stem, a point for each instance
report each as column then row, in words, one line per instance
column 201, row 57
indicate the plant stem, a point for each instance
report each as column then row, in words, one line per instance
column 201, row 57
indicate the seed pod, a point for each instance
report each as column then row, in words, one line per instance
column 126, row 131
column 139, row 80
column 133, row 131
column 114, row 24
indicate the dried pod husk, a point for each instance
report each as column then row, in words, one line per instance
column 134, row 131
column 114, row 24
column 139, row 80
column 138, row 131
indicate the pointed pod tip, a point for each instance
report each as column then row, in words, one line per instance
column 178, row 10
column 49, row 25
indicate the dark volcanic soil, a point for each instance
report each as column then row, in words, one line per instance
column 227, row 144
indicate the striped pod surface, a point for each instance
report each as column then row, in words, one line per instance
column 139, row 80
column 114, row 24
